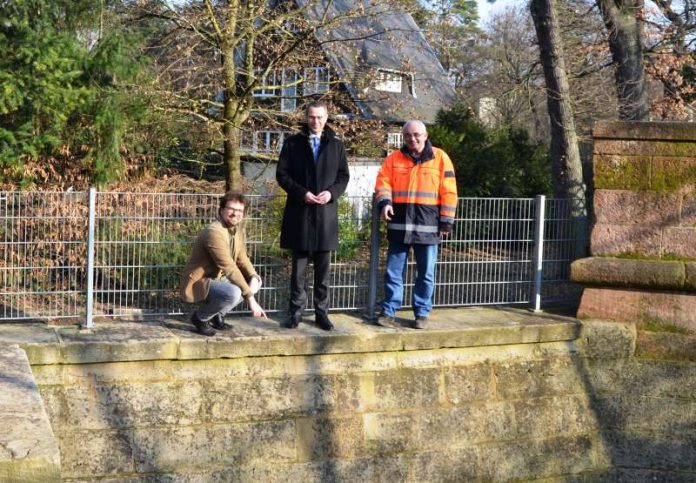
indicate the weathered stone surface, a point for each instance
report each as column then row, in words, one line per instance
column 446, row 464
column 323, row 438
column 28, row 448
column 646, row 131
column 629, row 147
column 638, row 305
column 616, row 239
column 549, row 417
column 650, row 451
column 690, row 281
column 607, row 340
column 620, row 272
column 619, row 172
column 687, row 214
column 91, row 454
column 205, row 447
column 537, row 378
column 472, row 382
column 116, row 342
column 406, row 388
column 536, row 459
column 661, row 415
column 39, row 341
column 666, row 346
column 672, row 173
column 624, row 207
column 679, row 241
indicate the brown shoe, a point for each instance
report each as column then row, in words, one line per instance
column 386, row 321
column 421, row 320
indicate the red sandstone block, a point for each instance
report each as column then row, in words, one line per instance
column 687, row 215
column 611, row 239
column 684, row 131
column 636, row 305
column 624, row 207
column 613, row 171
column 671, row 173
column 645, row 147
column 679, row 241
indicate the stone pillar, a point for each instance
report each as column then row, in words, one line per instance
column 643, row 241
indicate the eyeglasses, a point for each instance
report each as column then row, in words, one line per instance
column 416, row 135
column 234, row 210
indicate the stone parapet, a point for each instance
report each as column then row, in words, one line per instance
column 628, row 273
column 28, row 448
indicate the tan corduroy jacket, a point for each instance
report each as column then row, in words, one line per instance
column 214, row 255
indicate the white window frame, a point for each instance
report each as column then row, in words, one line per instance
column 316, row 80
column 268, row 87
column 395, row 139
column 288, row 101
column 389, row 80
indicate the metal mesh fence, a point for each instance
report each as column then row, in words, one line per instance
column 142, row 241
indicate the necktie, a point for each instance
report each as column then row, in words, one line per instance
column 315, row 147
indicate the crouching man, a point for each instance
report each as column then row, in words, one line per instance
column 219, row 274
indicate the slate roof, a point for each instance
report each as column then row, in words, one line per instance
column 386, row 39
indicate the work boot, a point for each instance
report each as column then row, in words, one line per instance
column 386, row 320
column 421, row 320
column 218, row 322
column 323, row 321
column 293, row 321
column 203, row 326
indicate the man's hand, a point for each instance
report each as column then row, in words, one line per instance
column 255, row 308
column 310, row 198
column 387, row 212
column 323, row 197
column 255, row 284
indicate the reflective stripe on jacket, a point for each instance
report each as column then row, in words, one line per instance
column 423, row 194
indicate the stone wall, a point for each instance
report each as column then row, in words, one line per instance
column 644, row 210
column 494, row 396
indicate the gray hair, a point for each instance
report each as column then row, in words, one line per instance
column 415, row 122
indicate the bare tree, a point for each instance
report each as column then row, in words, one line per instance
column 625, row 28
column 565, row 155
column 220, row 61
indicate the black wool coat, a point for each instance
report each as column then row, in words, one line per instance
column 306, row 227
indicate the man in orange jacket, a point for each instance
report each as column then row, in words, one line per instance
column 416, row 192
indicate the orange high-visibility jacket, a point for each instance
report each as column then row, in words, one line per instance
column 423, row 195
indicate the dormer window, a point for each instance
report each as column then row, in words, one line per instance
column 388, row 80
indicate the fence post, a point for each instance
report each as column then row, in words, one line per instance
column 89, row 322
column 538, row 256
column 374, row 262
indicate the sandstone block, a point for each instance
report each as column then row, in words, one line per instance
column 658, row 415
column 672, row 173
column 614, row 239
column 620, row 272
column 323, row 438
column 447, row 464
column 680, row 241
column 670, row 453
column 607, row 340
column 535, row 459
column 169, row 449
column 537, row 378
column 677, row 308
column 39, row 341
column 632, row 147
column 407, row 388
column 678, row 131
column 469, row 383
column 554, row 416
column 619, row 172
column 688, row 207
column 667, row 346
column 89, row 454
column 624, row 207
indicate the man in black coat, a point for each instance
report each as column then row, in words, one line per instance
column 313, row 171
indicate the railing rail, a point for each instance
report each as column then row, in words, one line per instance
column 82, row 256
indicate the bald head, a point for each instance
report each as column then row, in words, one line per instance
column 415, row 136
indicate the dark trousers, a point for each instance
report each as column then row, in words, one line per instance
column 298, row 282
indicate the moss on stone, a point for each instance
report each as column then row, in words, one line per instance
column 651, row 323
column 616, row 172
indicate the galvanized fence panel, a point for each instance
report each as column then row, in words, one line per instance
column 142, row 241
column 42, row 255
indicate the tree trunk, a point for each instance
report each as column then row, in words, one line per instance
column 625, row 43
column 565, row 154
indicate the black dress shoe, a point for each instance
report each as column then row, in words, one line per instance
column 323, row 322
column 218, row 322
column 202, row 326
column 292, row 322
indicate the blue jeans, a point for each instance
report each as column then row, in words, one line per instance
column 397, row 256
column 223, row 296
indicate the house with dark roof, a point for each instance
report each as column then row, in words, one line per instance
column 378, row 69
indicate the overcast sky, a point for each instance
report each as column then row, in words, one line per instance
column 485, row 9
